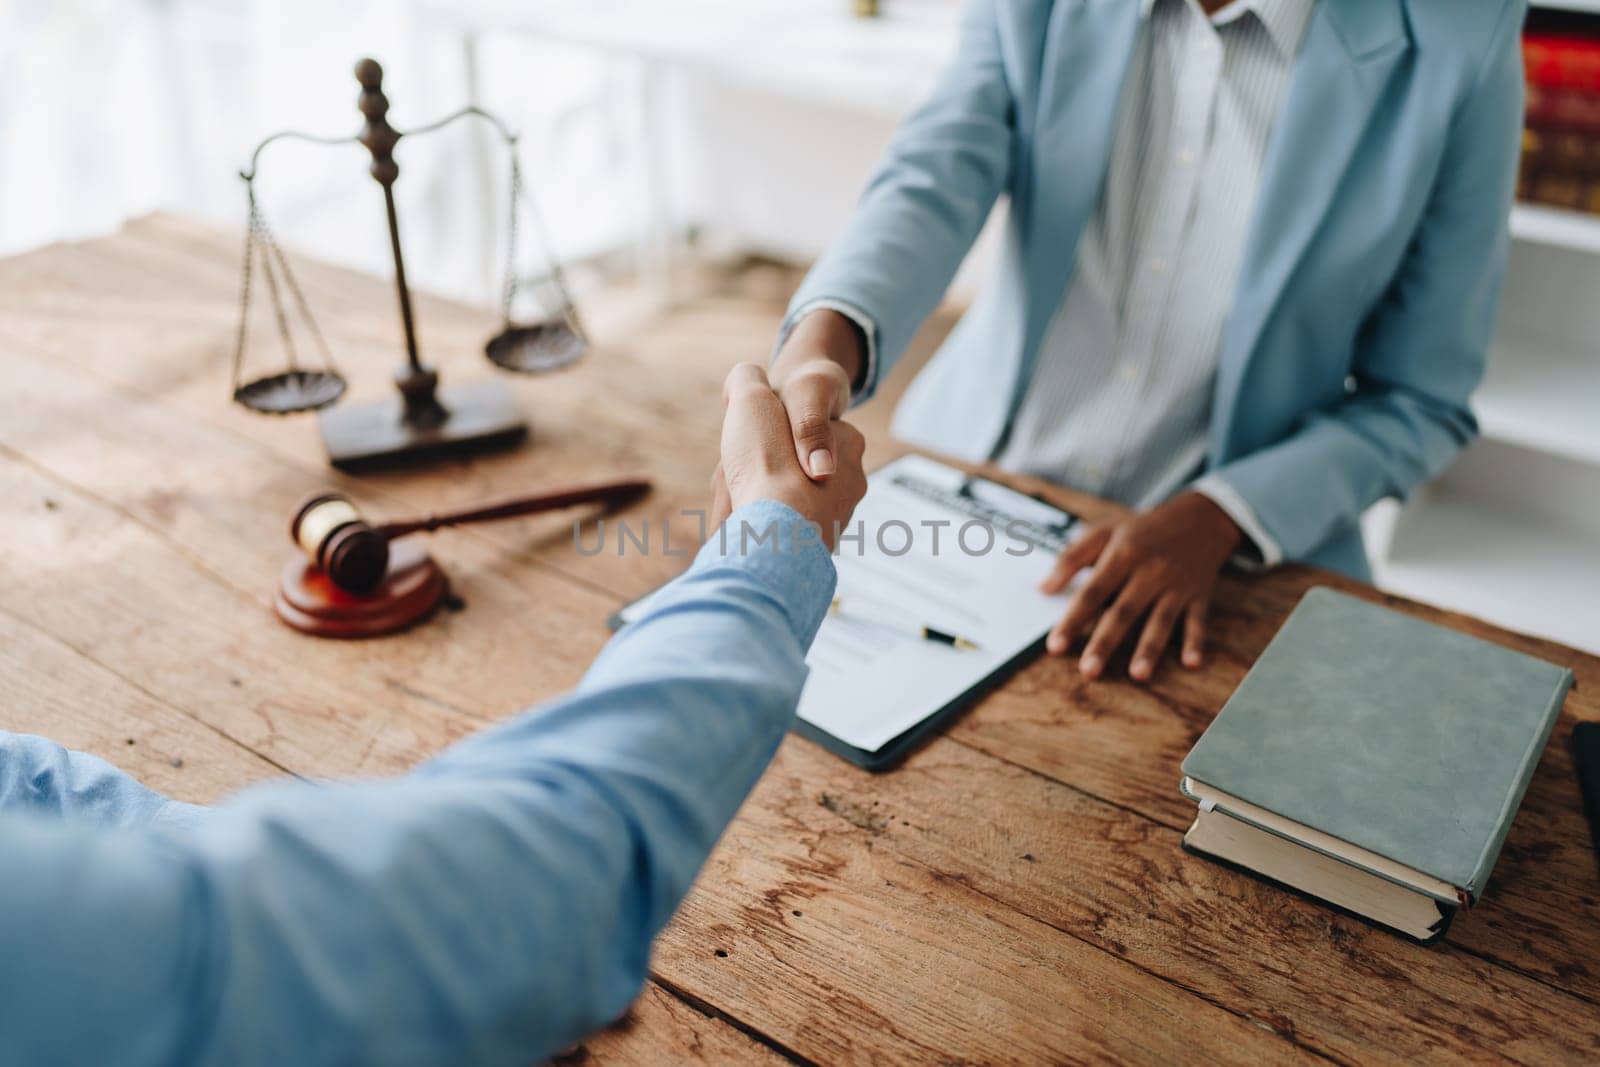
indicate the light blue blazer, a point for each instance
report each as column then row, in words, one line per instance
column 1372, row 272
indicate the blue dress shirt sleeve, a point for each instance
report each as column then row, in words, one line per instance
column 40, row 777
column 492, row 906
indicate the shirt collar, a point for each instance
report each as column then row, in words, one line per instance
column 1284, row 20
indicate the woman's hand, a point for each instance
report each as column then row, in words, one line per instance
column 1157, row 567
column 758, row 462
column 812, row 376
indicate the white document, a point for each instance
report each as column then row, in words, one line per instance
column 928, row 546
column 871, row 682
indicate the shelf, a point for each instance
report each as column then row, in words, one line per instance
column 1542, row 396
column 1537, row 224
column 1524, row 572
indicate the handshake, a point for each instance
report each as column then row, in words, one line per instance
column 786, row 442
column 791, row 448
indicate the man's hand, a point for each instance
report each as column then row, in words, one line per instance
column 759, row 460
column 1156, row 567
column 812, row 375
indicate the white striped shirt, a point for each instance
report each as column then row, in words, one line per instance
column 1120, row 399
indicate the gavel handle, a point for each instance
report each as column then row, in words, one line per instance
column 607, row 492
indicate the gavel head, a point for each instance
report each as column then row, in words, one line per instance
column 330, row 530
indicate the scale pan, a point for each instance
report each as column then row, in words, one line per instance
column 542, row 346
column 291, row 391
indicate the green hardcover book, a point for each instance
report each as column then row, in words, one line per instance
column 1373, row 761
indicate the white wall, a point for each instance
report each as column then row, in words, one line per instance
column 113, row 108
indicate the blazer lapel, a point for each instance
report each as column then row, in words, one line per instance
column 1087, row 49
column 1351, row 49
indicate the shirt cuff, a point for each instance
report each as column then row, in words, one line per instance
column 785, row 553
column 863, row 322
column 1268, row 553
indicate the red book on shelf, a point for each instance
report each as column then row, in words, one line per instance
column 1558, row 61
column 1563, row 109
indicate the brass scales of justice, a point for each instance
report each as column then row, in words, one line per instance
column 427, row 420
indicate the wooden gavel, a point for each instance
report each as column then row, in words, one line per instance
column 354, row 553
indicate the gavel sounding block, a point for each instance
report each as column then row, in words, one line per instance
column 412, row 588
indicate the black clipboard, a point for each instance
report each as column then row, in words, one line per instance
column 895, row 750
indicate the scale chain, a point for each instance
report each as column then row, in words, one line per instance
column 261, row 242
column 272, row 286
column 509, row 293
column 244, row 297
column 521, row 200
column 293, row 285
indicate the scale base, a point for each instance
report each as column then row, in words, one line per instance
column 412, row 590
column 364, row 436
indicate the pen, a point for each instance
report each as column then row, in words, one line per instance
column 925, row 633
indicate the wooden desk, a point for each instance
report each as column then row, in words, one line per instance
column 1014, row 892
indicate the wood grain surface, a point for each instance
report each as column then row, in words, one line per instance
column 1014, row 893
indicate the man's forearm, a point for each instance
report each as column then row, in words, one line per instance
column 491, row 906
column 42, row 777
column 521, row 876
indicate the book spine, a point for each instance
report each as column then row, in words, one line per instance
column 1563, row 109
column 1513, row 799
column 1561, row 62
column 1560, row 163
